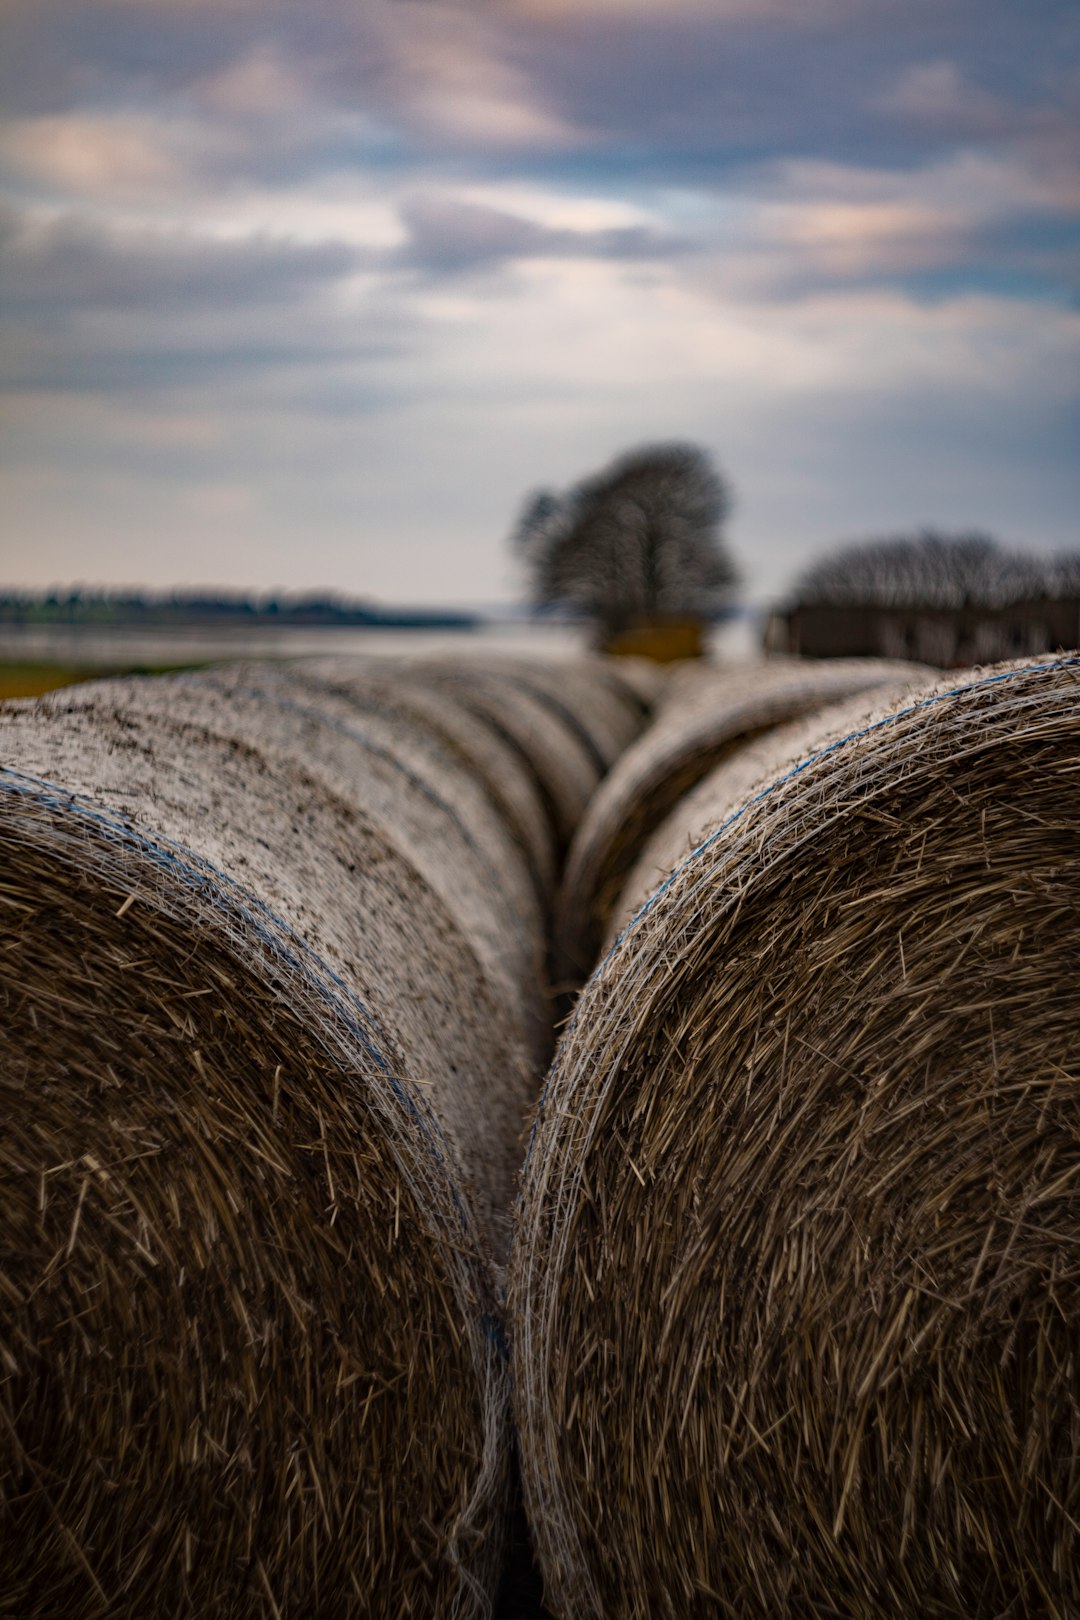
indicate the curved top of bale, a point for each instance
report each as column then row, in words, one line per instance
column 256, row 1122
column 733, row 782
column 794, row 1290
column 564, row 768
column 188, row 763
column 707, row 711
column 428, row 803
column 586, row 694
column 397, row 687
column 643, row 678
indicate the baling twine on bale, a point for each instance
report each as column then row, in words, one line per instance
column 795, row 1286
column 707, row 713
column 269, row 956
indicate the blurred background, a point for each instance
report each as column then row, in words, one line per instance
column 306, row 299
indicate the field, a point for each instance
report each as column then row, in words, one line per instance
column 23, row 678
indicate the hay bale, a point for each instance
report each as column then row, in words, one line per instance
column 795, row 1290
column 645, row 680
column 732, row 783
column 428, row 803
column 564, row 765
column 588, row 695
column 261, row 1108
column 707, row 712
column 398, row 689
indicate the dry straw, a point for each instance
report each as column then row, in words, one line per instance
column 567, row 726
column 268, row 959
column 427, row 800
column 398, row 690
column 707, row 712
column 603, row 705
column 730, row 784
column 644, row 679
column 795, row 1290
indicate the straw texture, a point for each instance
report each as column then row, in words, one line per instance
column 398, row 690
column 646, row 680
column 263, row 1082
column 707, row 711
column 795, row 1289
column 589, row 695
column 731, row 783
column 552, row 737
column 428, row 802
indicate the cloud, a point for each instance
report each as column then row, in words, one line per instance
column 936, row 95
column 73, row 264
column 219, row 131
column 447, row 69
column 833, row 415
column 105, row 309
column 92, row 154
column 259, row 85
column 447, row 236
column 972, row 222
column 344, row 280
column 798, row 14
column 604, row 87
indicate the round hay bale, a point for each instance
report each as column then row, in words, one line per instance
column 429, row 804
column 586, row 694
column 246, row 766
column 795, row 1288
column 398, row 689
column 261, row 1110
column 708, row 711
column 732, row 783
column 565, row 770
column 645, row 680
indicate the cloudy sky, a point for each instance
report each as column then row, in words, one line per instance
column 313, row 294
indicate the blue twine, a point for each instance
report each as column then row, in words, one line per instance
column 496, row 1335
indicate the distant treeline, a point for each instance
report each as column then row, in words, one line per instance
column 931, row 569
column 108, row 609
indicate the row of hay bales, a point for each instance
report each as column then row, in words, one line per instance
column 794, row 1291
column 273, row 1009
column 706, row 714
column 793, row 1311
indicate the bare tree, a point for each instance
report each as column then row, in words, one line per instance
column 931, row 569
column 640, row 540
